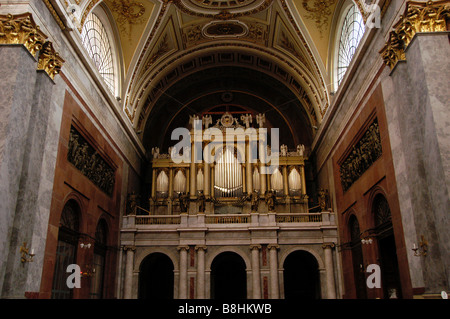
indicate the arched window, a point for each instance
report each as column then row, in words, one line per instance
column 98, row 44
column 351, row 33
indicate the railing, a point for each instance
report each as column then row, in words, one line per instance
column 200, row 220
column 299, row 218
column 158, row 220
column 227, row 219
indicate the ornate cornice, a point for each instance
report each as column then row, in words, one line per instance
column 21, row 29
column 418, row 17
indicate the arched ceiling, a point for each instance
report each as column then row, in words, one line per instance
column 166, row 42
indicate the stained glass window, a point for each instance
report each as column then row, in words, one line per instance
column 351, row 33
column 95, row 40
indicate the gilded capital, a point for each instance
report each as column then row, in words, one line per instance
column 418, row 17
column 273, row 246
column 21, row 29
column 50, row 60
column 255, row 246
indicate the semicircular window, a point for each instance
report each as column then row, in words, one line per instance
column 352, row 32
column 96, row 41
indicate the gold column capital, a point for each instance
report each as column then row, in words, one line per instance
column 50, row 60
column 21, row 29
column 255, row 246
column 418, row 17
column 273, row 246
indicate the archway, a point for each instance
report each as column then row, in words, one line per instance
column 156, row 277
column 301, row 276
column 228, row 277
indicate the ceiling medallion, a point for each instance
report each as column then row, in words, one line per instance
column 222, row 9
column 227, row 120
column 221, row 29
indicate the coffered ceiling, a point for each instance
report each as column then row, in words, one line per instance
column 165, row 41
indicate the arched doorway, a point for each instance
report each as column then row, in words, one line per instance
column 386, row 248
column 357, row 258
column 156, row 277
column 301, row 276
column 66, row 249
column 228, row 277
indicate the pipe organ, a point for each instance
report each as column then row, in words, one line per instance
column 232, row 177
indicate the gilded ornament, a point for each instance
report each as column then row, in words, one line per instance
column 21, row 29
column 49, row 60
column 319, row 12
column 418, row 17
column 362, row 155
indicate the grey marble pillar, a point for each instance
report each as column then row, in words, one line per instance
column 273, row 263
column 128, row 285
column 200, row 271
column 331, row 286
column 29, row 133
column 256, row 276
column 417, row 95
column 182, row 290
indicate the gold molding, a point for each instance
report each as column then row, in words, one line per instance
column 418, row 17
column 55, row 15
column 21, row 29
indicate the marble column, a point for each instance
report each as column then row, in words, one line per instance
column 200, row 271
column 273, row 264
column 256, row 275
column 182, row 290
column 331, row 286
column 128, row 285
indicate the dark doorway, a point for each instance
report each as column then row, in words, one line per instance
column 301, row 276
column 386, row 246
column 357, row 258
column 156, row 277
column 228, row 277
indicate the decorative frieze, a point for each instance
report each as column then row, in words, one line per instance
column 418, row 17
column 363, row 154
column 87, row 160
column 21, row 29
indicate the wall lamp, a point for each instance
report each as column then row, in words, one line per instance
column 85, row 246
column 26, row 257
column 422, row 249
column 367, row 241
